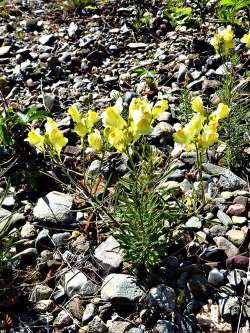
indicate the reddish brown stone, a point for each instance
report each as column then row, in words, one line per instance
column 236, row 209
column 240, row 262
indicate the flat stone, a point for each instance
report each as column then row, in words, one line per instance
column 47, row 39
column 4, row 50
column 239, row 220
column 237, row 237
column 236, row 209
column 97, row 325
column 117, row 287
column 28, row 231
column 109, row 255
column 224, row 244
column 215, row 277
column 224, row 218
column 88, row 313
column 193, row 223
column 75, row 282
column 55, row 207
column 40, row 292
column 118, row 326
column 137, row 45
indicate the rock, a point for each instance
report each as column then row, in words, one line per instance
column 162, row 297
column 239, row 220
column 75, row 307
column 215, row 277
column 44, row 305
column 228, row 181
column 97, row 325
column 49, row 101
column 88, row 313
column 210, row 86
column 229, row 306
column 165, row 326
column 118, row 326
column 136, row 46
column 47, row 39
column 44, row 241
column 75, row 283
column 94, row 167
column 109, row 255
column 193, row 223
column 4, row 51
column 236, row 209
column 117, row 287
column 237, row 237
column 8, row 202
column 235, row 277
column 224, row 218
column 196, row 85
column 62, row 319
column 72, row 30
column 222, row 243
column 28, row 231
column 199, row 287
column 40, row 292
column 26, row 257
column 60, row 238
column 240, row 262
column 55, row 207
column 213, row 254
column 181, row 73
column 162, row 129
column 218, row 230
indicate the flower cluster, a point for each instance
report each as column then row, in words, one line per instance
column 53, row 139
column 223, row 41
column 119, row 133
column 201, row 132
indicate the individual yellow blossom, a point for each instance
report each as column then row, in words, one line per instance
column 181, row 136
column 57, row 140
column 209, row 136
column 159, row 107
column 118, row 138
column 92, row 119
column 195, row 125
column 221, row 112
column 74, row 113
column 246, row 40
column 49, row 126
column 81, row 129
column 112, row 118
column 95, row 140
column 223, row 41
column 36, row 139
column 197, row 105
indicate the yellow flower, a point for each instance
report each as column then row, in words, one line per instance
column 159, row 107
column 74, row 113
column 221, row 112
column 95, row 140
column 118, row 138
column 49, row 126
column 209, row 136
column 57, row 140
column 197, row 105
column 195, row 125
column 141, row 124
column 112, row 118
column 181, row 137
column 92, row 119
column 246, row 39
column 81, row 129
column 223, row 41
column 36, row 139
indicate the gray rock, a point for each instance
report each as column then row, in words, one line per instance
column 239, row 220
column 162, row 297
column 181, row 73
column 196, row 85
column 28, row 231
column 162, row 129
column 109, row 254
column 235, row 277
column 165, row 326
column 118, row 326
column 62, row 319
column 229, row 306
column 40, row 292
column 44, row 305
column 49, row 101
column 9, row 201
column 228, row 181
column 224, row 218
column 72, row 30
column 75, row 282
column 121, row 286
column 44, row 241
column 224, row 244
column 55, row 207
column 97, row 325
column 47, row 40
column 218, row 230
column 193, row 223
column 4, row 50
column 60, row 238
column 88, row 313
column 136, row 46
column 94, row 167
column 215, row 277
